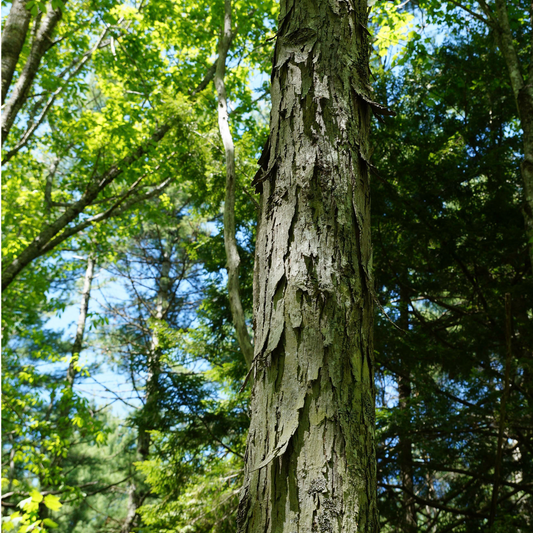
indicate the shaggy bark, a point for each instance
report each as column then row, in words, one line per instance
column 13, row 38
column 230, row 242
column 310, row 459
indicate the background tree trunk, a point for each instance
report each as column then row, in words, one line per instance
column 405, row 445
column 137, row 494
column 42, row 42
column 230, row 241
column 310, row 460
column 523, row 94
column 13, row 37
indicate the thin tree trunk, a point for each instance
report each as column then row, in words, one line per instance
column 405, row 445
column 310, row 459
column 13, row 38
column 42, row 41
column 64, row 410
column 77, row 346
column 523, row 94
column 135, row 493
column 82, row 319
column 230, row 242
column 503, row 405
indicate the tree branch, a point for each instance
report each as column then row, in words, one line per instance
column 51, row 235
column 13, row 38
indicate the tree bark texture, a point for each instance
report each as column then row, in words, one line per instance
column 13, row 38
column 230, row 242
column 310, row 459
column 42, row 41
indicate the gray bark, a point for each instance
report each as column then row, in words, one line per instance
column 13, row 38
column 310, row 459
column 230, row 242
column 42, row 41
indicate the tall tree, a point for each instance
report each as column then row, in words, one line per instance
column 310, row 462
column 448, row 247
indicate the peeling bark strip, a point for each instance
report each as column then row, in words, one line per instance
column 310, row 460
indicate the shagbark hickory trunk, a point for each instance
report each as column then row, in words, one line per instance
column 310, row 459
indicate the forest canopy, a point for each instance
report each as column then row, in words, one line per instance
column 137, row 149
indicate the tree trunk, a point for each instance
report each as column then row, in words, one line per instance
column 65, row 426
column 13, row 37
column 523, row 94
column 42, row 42
column 136, row 493
column 230, row 242
column 310, row 459
column 80, row 330
column 405, row 445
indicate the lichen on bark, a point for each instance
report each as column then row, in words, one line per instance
column 310, row 461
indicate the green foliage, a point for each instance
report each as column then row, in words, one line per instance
column 449, row 243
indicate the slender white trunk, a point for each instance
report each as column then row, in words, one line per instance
column 230, row 242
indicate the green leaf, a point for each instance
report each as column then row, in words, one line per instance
column 52, row 502
column 36, row 496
